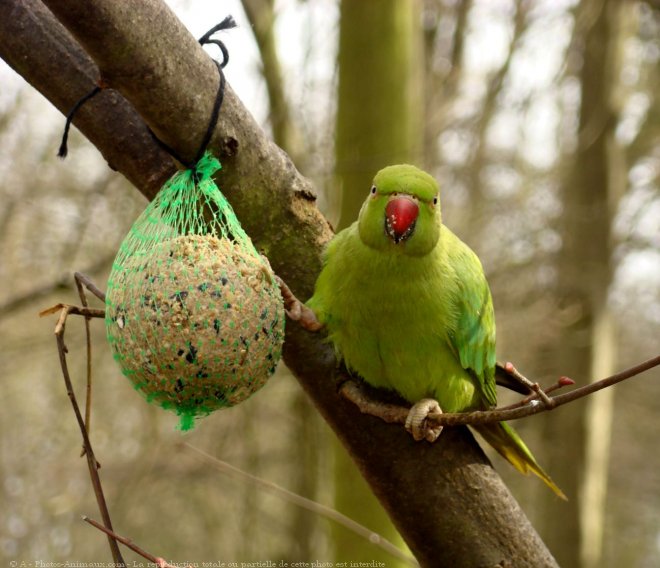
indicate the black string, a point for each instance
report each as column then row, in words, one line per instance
column 219, row 97
column 64, row 150
column 226, row 24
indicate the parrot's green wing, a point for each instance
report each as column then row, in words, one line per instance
column 473, row 340
column 473, row 337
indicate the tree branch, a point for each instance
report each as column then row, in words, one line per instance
column 161, row 563
column 92, row 463
column 392, row 413
column 39, row 48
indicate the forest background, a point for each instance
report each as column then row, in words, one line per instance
column 548, row 171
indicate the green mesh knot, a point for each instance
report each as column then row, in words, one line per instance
column 194, row 316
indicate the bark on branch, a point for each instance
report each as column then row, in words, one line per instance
column 447, row 501
column 395, row 414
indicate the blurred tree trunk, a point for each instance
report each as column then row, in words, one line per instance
column 441, row 81
column 306, row 446
column 379, row 118
column 577, row 437
column 261, row 14
column 379, row 107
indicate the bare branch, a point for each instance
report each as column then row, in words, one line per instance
column 129, row 543
column 531, row 405
column 92, row 463
column 83, row 282
column 72, row 310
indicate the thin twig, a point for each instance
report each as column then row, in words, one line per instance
column 129, row 543
column 308, row 504
column 560, row 384
column 81, row 281
column 532, row 387
column 92, row 462
column 84, row 280
column 392, row 413
column 504, row 379
column 73, row 310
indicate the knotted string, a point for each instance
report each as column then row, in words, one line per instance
column 226, row 24
column 64, row 150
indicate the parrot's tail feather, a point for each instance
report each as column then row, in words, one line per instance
column 507, row 442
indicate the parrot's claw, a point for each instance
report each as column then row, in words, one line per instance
column 417, row 421
column 296, row 310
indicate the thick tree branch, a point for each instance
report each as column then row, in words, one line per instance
column 450, row 506
column 40, row 49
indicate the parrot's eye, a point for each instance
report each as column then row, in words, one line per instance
column 373, row 190
column 435, row 200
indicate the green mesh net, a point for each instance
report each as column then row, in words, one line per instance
column 194, row 315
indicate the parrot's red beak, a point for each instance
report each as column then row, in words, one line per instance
column 400, row 215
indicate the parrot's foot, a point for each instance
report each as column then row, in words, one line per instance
column 417, row 421
column 296, row 310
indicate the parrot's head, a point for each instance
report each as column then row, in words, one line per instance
column 402, row 211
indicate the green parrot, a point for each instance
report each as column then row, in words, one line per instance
column 407, row 306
